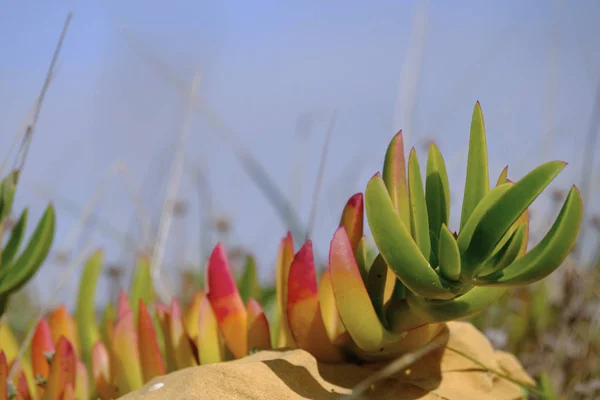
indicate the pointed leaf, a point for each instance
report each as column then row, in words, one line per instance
column 10, row 346
column 376, row 286
column 3, row 376
column 505, row 212
column 284, row 260
column 41, row 344
column 419, row 221
column 437, row 191
column 304, row 312
column 503, row 176
column 82, row 388
column 101, row 372
column 354, row 305
column 62, row 324
column 28, row 263
column 184, row 354
column 548, row 254
column 164, row 320
column 507, row 254
column 150, row 358
column 209, row 343
column 141, row 284
column 85, row 313
column 192, row 314
column 406, row 260
column 353, row 219
column 475, row 300
column 478, row 180
column 249, row 287
column 259, row 337
column 227, row 303
column 63, row 370
column 449, row 255
column 361, row 258
column 394, row 176
column 16, row 236
column 336, row 331
column 128, row 371
column 123, row 304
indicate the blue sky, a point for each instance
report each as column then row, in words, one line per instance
column 533, row 65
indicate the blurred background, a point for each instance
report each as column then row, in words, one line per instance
column 175, row 126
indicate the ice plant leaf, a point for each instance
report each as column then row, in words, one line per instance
column 28, row 263
column 141, row 284
column 376, row 283
column 16, row 236
column 150, row 358
column 248, row 285
column 336, row 331
column 284, row 260
column 69, row 393
column 475, row 300
column 259, row 337
column 448, row 255
column 10, row 346
column 62, row 324
column 128, row 371
column 226, row 302
column 478, row 180
column 506, row 255
column 437, row 192
column 354, row 305
column 3, row 376
column 406, row 260
column 101, row 372
column 503, row 176
column 123, row 305
column 82, row 387
column 361, row 258
column 353, row 219
column 210, row 346
column 41, row 344
column 184, row 354
column 164, row 320
column 85, row 312
column 506, row 210
column 394, row 176
column 63, row 370
column 192, row 314
column 304, row 311
column 419, row 221
column 548, row 254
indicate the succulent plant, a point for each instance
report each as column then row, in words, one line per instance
column 363, row 306
column 17, row 269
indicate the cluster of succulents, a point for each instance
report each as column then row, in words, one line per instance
column 359, row 307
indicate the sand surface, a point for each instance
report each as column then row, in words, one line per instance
column 295, row 374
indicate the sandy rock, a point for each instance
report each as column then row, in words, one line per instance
column 448, row 373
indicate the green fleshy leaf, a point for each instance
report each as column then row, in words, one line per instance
column 506, row 210
column 361, row 256
column 394, row 176
column 478, row 181
column 506, row 255
column 437, row 191
column 503, row 178
column 7, row 192
column 376, row 286
column 141, row 285
column 449, row 255
column 28, row 263
column 475, row 300
column 548, row 254
column 85, row 312
column 12, row 247
column 398, row 249
column 419, row 221
column 248, row 284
